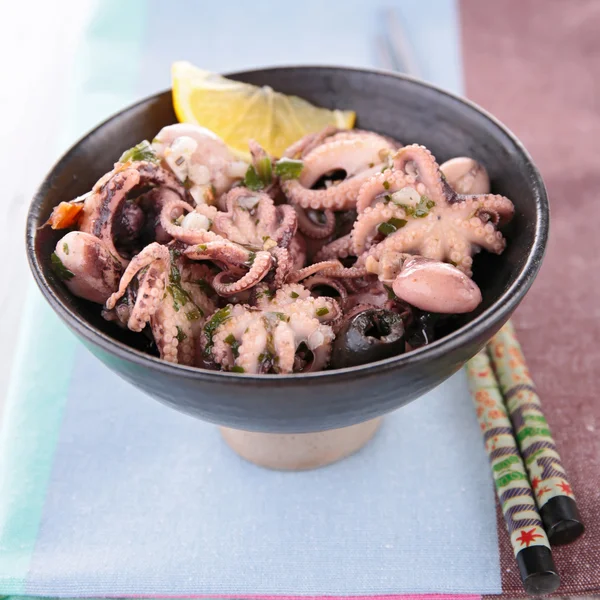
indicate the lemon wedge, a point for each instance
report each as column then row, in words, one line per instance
column 237, row 111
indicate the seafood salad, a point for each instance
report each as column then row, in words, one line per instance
column 347, row 249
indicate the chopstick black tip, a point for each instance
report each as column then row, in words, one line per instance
column 562, row 520
column 538, row 572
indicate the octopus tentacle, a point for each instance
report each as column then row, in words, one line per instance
column 288, row 224
column 319, row 280
column 152, row 252
column 199, row 233
column 312, row 229
column 368, row 222
column 309, row 142
column 360, row 158
column 418, row 162
column 285, row 264
column 340, row 248
column 312, row 269
column 258, row 271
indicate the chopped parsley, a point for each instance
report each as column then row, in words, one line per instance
column 294, row 295
column 237, row 369
column 420, row 210
column 252, row 181
column 386, row 185
column 66, row 248
column 423, row 207
column 179, row 295
column 213, row 324
column 194, row 314
column 180, row 335
column 264, row 170
column 143, row 151
column 391, row 226
column 59, row 268
column 251, row 258
column 235, row 345
column 288, row 168
column 266, row 294
column 321, row 312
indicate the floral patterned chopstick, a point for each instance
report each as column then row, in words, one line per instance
column 523, row 522
column 551, row 488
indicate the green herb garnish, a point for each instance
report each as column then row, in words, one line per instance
column 66, row 248
column 387, row 198
column 264, row 170
column 180, row 335
column 267, row 294
column 251, row 258
column 143, row 151
column 252, row 181
column 215, row 321
column 294, row 295
column 179, row 295
column 288, row 168
column 194, row 314
column 236, row 369
column 391, row 226
column 321, row 312
column 423, row 207
column 386, row 185
column 202, row 247
column 59, row 268
column 235, row 345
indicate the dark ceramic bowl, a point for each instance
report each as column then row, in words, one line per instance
column 402, row 107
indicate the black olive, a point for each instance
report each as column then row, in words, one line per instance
column 370, row 335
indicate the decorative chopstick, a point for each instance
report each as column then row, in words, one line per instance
column 523, row 522
column 551, row 488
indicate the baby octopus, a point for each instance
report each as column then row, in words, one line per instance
column 348, row 241
column 287, row 332
column 413, row 209
column 162, row 288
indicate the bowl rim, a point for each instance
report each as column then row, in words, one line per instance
column 499, row 311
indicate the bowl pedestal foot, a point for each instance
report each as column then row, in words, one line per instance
column 299, row 451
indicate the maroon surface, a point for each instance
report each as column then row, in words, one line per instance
column 535, row 64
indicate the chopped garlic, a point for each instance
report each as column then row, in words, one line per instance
column 196, row 222
column 248, row 202
column 179, row 154
column 199, row 174
column 237, row 169
column 269, row 243
column 407, row 195
column 202, row 194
